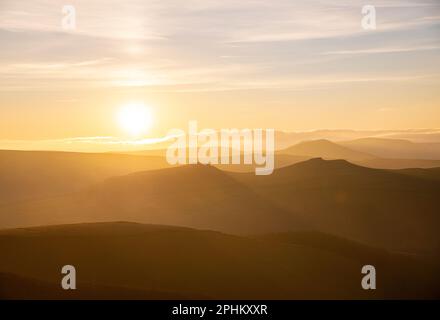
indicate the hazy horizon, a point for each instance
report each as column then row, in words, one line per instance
column 287, row 138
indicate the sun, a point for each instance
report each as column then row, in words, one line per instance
column 135, row 118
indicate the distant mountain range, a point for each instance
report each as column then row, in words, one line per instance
column 26, row 174
column 325, row 149
column 375, row 206
column 393, row 148
column 370, row 152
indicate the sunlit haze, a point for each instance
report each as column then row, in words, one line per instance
column 288, row 65
column 135, row 118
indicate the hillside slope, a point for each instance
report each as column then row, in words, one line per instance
column 384, row 208
column 17, row 287
column 325, row 149
column 194, row 196
column 28, row 175
column 205, row 263
column 395, row 148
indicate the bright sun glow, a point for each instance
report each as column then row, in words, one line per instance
column 135, row 118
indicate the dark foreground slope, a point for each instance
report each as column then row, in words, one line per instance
column 194, row 263
column 18, row 287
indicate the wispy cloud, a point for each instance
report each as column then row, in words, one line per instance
column 86, row 144
column 204, row 45
column 383, row 50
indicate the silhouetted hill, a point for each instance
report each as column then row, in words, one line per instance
column 384, row 208
column 35, row 174
column 378, row 207
column 204, row 263
column 379, row 163
column 281, row 160
column 325, row 149
column 194, row 195
column 395, row 148
column 426, row 173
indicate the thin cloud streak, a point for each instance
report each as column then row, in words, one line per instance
column 382, row 50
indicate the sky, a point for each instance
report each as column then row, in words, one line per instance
column 288, row 65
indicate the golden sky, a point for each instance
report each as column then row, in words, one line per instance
column 283, row 64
